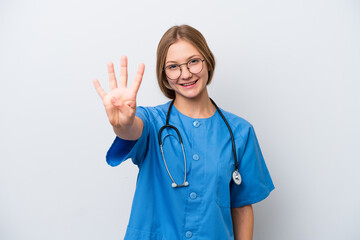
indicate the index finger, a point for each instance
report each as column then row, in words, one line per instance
column 138, row 78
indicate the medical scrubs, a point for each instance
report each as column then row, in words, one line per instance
column 201, row 210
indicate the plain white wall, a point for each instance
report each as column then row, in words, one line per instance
column 291, row 68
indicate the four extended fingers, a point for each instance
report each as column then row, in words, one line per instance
column 123, row 78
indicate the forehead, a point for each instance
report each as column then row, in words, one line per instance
column 180, row 51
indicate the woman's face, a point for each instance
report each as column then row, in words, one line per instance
column 188, row 85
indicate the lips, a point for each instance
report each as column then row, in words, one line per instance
column 188, row 84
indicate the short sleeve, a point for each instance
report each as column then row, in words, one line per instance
column 122, row 149
column 256, row 182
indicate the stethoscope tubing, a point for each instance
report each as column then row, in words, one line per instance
column 236, row 175
column 230, row 131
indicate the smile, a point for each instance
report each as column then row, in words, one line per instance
column 189, row 84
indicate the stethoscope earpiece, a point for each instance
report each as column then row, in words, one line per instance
column 185, row 184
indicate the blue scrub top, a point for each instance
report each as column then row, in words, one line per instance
column 201, row 210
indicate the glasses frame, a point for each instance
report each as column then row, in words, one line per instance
column 179, row 65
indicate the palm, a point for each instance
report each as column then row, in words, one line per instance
column 120, row 102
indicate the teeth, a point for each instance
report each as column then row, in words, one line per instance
column 188, row 84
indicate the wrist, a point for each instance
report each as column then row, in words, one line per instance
column 129, row 132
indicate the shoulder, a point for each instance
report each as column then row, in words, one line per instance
column 240, row 126
column 235, row 120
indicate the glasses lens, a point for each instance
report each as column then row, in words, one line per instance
column 195, row 65
column 172, row 71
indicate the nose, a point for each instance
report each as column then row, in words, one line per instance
column 184, row 72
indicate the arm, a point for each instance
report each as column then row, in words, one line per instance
column 243, row 222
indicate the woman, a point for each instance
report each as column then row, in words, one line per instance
column 188, row 188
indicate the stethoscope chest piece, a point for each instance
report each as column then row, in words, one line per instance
column 236, row 177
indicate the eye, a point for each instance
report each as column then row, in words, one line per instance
column 194, row 61
column 172, row 67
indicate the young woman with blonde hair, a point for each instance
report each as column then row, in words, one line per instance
column 200, row 167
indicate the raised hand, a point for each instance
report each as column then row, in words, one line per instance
column 120, row 102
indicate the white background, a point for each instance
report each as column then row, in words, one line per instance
column 291, row 68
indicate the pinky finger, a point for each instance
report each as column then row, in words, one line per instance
column 99, row 89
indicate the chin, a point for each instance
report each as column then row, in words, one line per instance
column 192, row 96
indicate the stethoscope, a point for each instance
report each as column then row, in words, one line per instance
column 235, row 174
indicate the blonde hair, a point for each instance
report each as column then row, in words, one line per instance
column 172, row 35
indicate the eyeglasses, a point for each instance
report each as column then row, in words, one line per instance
column 194, row 65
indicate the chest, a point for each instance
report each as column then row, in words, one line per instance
column 206, row 151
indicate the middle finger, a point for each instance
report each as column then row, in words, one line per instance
column 112, row 78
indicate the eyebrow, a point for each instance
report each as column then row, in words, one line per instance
column 195, row 55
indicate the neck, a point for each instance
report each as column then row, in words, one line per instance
column 199, row 107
